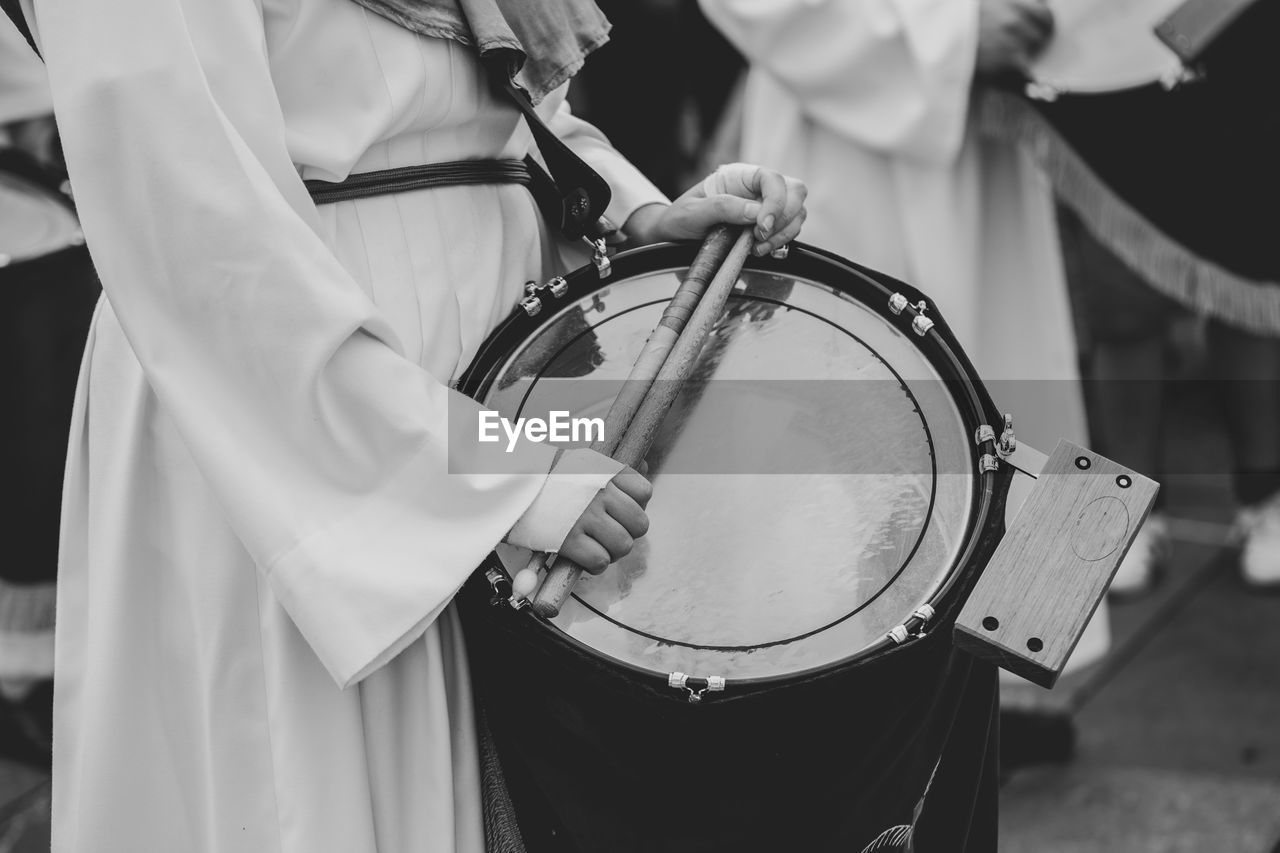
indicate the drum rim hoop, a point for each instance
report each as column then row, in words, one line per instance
column 989, row 487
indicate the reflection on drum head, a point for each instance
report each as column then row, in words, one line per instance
column 1105, row 46
column 770, row 572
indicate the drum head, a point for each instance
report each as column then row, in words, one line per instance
column 32, row 222
column 812, row 486
column 1105, row 45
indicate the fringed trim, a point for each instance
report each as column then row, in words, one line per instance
column 26, row 608
column 895, row 839
column 1168, row 267
column 501, row 829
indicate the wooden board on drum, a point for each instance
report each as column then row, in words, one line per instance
column 1052, row 568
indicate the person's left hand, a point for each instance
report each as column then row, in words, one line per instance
column 737, row 194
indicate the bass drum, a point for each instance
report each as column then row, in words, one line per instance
column 771, row 667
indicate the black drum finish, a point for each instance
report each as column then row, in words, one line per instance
column 48, row 296
column 603, row 755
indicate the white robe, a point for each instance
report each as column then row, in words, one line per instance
column 867, row 101
column 255, row 647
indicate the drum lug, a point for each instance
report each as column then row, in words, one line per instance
column 985, row 437
column 600, row 256
column 1045, row 92
column 1008, row 443
column 921, row 324
column 696, row 686
column 534, row 292
column 993, row 450
column 501, row 585
column 913, row 628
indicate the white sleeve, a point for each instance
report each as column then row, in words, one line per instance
column 328, row 449
column 891, row 75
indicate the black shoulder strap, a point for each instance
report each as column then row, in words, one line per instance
column 13, row 9
column 575, row 196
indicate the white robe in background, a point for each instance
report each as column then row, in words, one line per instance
column 867, row 101
column 26, row 624
column 261, row 536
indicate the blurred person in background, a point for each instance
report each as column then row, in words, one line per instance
column 28, row 144
column 868, row 101
column 661, row 118
column 1200, row 163
column 1127, row 326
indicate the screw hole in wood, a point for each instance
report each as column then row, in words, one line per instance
column 1123, row 481
column 991, row 623
column 1083, row 463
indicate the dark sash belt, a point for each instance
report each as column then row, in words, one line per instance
column 429, row 176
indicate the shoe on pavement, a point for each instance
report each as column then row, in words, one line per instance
column 1137, row 572
column 1259, row 528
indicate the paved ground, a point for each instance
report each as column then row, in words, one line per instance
column 1180, row 749
column 1178, row 738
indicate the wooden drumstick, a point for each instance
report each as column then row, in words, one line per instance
column 684, row 355
column 715, row 247
column 663, row 389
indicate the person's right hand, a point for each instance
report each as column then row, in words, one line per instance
column 610, row 524
column 1010, row 34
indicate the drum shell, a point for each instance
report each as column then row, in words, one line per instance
column 617, row 760
column 48, row 306
column 600, row 756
